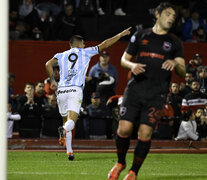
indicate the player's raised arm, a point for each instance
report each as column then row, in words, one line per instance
column 108, row 42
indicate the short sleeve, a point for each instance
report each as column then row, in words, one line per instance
column 178, row 49
column 91, row 51
column 58, row 55
column 133, row 44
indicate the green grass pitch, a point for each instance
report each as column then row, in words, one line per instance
column 95, row 166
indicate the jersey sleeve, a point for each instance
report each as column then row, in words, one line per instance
column 91, row 51
column 178, row 49
column 133, row 44
column 58, row 55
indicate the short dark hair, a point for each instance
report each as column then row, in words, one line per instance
column 29, row 83
column 164, row 5
column 39, row 82
column 186, row 115
column 75, row 38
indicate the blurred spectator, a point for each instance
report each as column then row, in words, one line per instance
column 48, row 89
column 12, row 96
column 13, row 19
column 107, row 76
column 175, row 101
column 202, row 78
column 97, row 119
column 114, row 103
column 30, row 111
column 194, row 99
column 188, row 127
column 18, row 29
column 191, row 25
column 194, row 63
column 200, row 35
column 66, row 24
column 41, row 25
column 49, row 7
column 11, row 118
column 185, row 88
column 165, row 124
column 86, row 7
column 25, row 8
column 118, row 6
column 40, row 94
column 183, row 15
column 201, row 120
column 51, row 118
column 101, row 4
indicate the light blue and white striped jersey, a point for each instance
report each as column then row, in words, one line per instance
column 73, row 65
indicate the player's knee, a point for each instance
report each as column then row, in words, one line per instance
column 145, row 132
column 124, row 131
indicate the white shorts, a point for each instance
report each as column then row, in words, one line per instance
column 69, row 99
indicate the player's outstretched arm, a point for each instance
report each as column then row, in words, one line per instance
column 109, row 42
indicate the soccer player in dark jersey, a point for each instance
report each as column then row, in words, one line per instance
column 157, row 54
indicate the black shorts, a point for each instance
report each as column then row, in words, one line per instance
column 140, row 108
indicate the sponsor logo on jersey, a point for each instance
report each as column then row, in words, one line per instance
column 122, row 111
column 145, row 42
column 167, row 46
column 152, row 55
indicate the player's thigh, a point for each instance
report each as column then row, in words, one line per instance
column 150, row 113
column 125, row 128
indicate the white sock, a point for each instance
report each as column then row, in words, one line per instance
column 69, row 125
column 68, row 142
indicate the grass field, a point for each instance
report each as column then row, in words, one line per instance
column 95, row 166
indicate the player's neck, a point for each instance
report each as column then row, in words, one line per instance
column 158, row 30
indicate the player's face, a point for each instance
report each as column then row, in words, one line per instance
column 82, row 45
column 166, row 18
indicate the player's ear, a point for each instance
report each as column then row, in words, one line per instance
column 156, row 14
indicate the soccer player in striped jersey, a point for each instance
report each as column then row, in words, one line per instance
column 73, row 65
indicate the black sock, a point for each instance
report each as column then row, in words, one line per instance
column 140, row 153
column 122, row 145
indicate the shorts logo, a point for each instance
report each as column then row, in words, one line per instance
column 122, row 111
column 167, row 46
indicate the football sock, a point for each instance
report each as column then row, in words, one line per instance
column 140, row 153
column 69, row 125
column 122, row 145
column 68, row 142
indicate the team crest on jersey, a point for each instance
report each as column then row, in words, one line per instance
column 122, row 110
column 167, row 46
column 133, row 39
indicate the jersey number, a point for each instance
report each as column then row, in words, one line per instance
column 73, row 58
